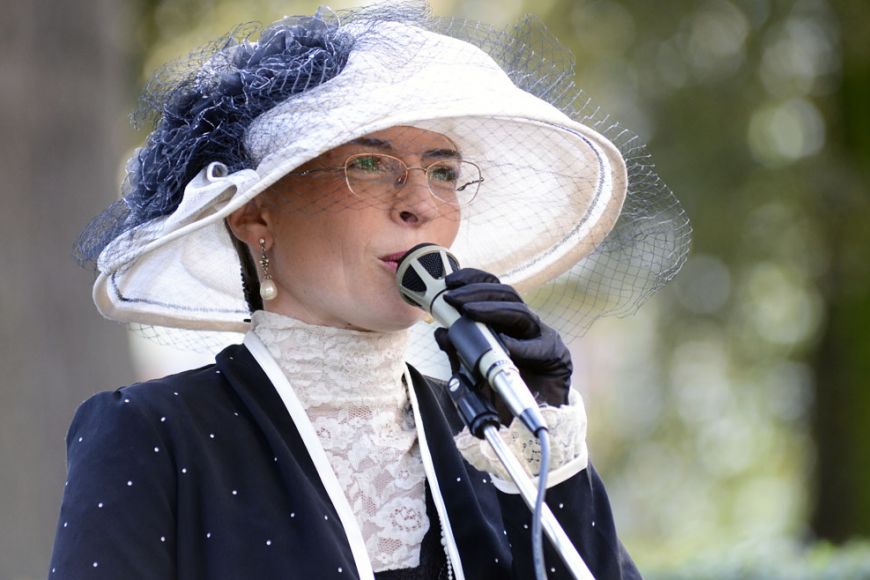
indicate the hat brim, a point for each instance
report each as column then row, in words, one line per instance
column 553, row 187
column 173, row 280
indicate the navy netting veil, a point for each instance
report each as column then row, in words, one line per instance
column 202, row 106
column 233, row 118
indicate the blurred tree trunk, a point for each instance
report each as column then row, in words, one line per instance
column 842, row 365
column 62, row 102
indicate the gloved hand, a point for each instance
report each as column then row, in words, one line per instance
column 536, row 349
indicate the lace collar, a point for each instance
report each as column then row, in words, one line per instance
column 335, row 366
column 350, row 383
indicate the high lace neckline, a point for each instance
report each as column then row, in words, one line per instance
column 350, row 383
column 357, row 365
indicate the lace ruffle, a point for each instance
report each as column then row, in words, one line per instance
column 567, row 426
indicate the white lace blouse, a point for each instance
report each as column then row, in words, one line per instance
column 350, row 383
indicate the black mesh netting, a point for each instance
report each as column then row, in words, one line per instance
column 234, row 102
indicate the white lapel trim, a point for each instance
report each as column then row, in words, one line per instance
column 429, row 466
column 306, row 430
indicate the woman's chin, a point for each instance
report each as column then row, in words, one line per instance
column 401, row 318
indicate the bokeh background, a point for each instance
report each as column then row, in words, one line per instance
column 730, row 416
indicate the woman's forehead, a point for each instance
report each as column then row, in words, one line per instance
column 402, row 140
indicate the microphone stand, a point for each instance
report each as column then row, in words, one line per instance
column 482, row 421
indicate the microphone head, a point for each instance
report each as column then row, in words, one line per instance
column 421, row 271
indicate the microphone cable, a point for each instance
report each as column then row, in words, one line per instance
column 537, row 536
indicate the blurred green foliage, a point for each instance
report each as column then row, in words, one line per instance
column 781, row 561
column 729, row 416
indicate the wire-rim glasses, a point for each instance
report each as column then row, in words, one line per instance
column 371, row 175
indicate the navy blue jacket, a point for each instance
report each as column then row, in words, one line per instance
column 203, row 475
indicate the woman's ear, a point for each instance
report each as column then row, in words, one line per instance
column 250, row 224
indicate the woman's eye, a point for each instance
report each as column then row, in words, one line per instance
column 443, row 173
column 366, row 164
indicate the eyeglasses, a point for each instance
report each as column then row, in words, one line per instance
column 373, row 175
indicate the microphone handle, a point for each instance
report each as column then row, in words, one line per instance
column 481, row 351
column 513, row 390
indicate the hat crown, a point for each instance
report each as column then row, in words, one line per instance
column 388, row 70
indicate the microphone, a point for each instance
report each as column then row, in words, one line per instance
column 420, row 277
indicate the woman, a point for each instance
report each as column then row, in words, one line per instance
column 315, row 157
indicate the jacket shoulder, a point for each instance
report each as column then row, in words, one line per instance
column 201, row 388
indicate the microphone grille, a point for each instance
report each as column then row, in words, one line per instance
column 432, row 263
column 421, row 271
column 412, row 281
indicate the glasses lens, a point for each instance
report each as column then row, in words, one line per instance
column 367, row 167
column 373, row 175
column 454, row 181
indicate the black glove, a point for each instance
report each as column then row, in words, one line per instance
column 536, row 349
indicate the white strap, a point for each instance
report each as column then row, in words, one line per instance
column 429, row 466
column 306, row 430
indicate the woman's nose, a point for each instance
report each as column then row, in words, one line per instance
column 414, row 202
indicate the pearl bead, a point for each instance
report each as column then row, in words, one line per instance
column 268, row 290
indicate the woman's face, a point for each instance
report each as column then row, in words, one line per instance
column 333, row 253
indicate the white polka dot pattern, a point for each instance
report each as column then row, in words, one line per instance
column 240, row 496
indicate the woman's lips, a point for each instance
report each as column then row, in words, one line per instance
column 391, row 261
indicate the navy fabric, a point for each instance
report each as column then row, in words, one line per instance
column 202, row 475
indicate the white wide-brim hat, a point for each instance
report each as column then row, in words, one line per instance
column 553, row 186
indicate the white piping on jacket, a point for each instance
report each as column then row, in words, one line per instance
column 429, row 466
column 306, row 430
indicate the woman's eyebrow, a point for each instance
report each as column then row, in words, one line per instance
column 442, row 154
column 372, row 142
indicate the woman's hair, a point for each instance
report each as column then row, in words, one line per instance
column 201, row 108
column 250, row 280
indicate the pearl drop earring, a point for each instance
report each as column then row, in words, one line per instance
column 268, row 290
